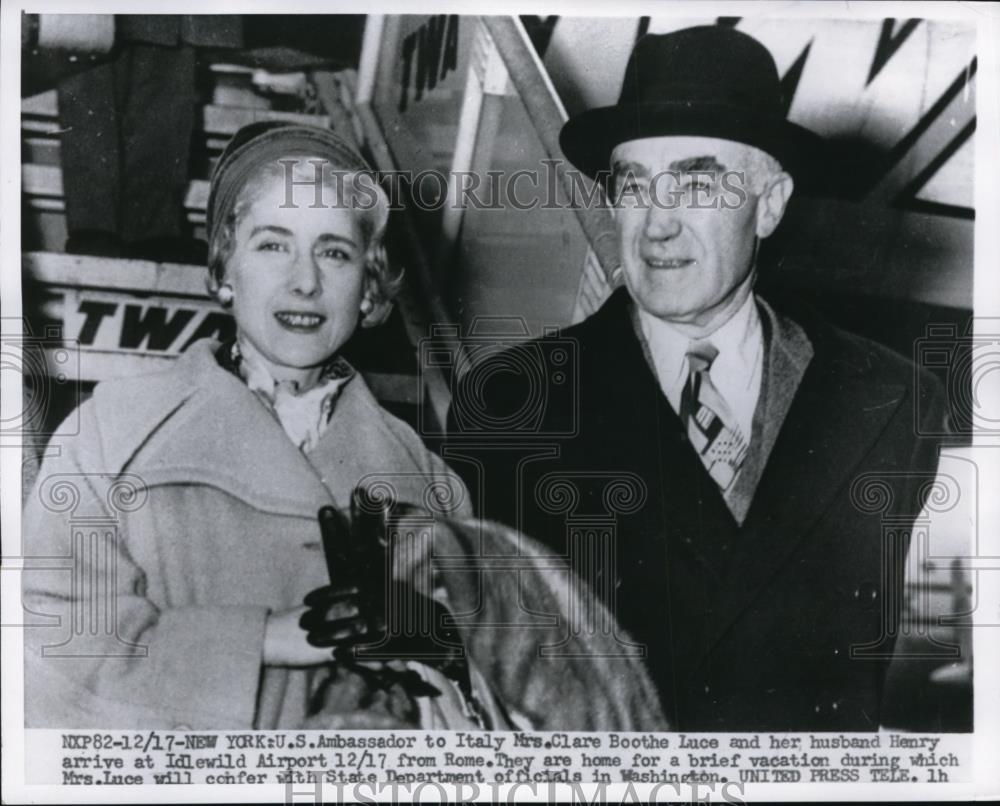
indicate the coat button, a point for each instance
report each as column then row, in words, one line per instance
column 827, row 707
column 866, row 594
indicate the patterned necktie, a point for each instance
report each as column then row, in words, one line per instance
column 710, row 424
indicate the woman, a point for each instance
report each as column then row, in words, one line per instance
column 186, row 505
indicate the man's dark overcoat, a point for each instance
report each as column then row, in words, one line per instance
column 781, row 622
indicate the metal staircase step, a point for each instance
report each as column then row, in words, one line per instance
column 39, row 117
column 43, row 186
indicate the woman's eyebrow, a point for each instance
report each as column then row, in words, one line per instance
column 705, row 163
column 270, row 228
column 327, row 237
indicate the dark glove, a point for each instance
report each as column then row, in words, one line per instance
column 349, row 610
column 347, row 619
column 349, row 615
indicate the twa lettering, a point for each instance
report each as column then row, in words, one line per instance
column 428, row 55
column 117, row 323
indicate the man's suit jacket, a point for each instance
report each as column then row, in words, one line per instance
column 784, row 621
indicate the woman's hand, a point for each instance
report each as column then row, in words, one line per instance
column 285, row 641
column 341, row 616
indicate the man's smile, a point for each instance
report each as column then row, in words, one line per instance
column 668, row 263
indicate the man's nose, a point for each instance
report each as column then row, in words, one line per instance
column 304, row 279
column 662, row 223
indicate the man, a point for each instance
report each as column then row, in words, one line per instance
column 748, row 562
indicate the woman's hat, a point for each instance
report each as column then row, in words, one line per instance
column 257, row 144
column 709, row 81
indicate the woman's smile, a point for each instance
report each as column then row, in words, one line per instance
column 300, row 322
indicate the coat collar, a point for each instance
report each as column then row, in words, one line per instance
column 789, row 352
column 198, row 423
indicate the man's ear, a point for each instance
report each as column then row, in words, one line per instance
column 772, row 203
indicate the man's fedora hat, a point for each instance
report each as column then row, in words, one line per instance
column 709, row 81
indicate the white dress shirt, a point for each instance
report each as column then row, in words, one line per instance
column 736, row 371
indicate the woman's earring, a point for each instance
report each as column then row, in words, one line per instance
column 366, row 306
column 225, row 295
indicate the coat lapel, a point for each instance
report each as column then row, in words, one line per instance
column 359, row 448
column 789, row 352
